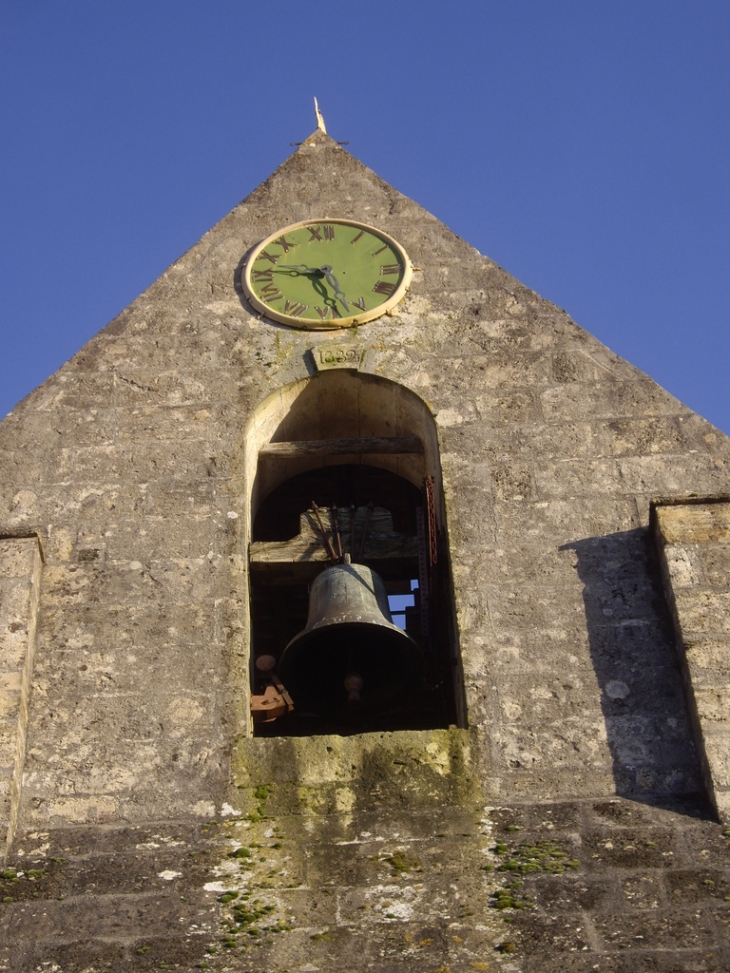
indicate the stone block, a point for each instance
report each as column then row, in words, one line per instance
column 707, row 845
column 721, row 800
column 75, row 957
column 541, row 695
column 15, row 594
column 509, row 406
column 637, row 436
column 713, row 704
column 716, row 741
column 560, row 817
column 664, row 475
column 609, row 400
column 708, row 660
column 10, row 704
column 684, row 566
column 676, row 930
column 548, row 526
column 703, row 612
column 76, row 390
column 150, row 424
column 10, row 682
column 109, row 462
column 647, row 847
column 124, row 668
column 629, row 643
column 715, row 562
column 87, row 427
column 84, row 843
column 578, row 478
column 154, row 538
column 151, row 915
column 572, row 894
column 518, row 444
column 131, row 583
column 688, row 888
column 549, row 936
column 8, row 746
column 694, row 523
column 537, row 749
column 136, row 388
column 513, row 482
column 643, row 891
column 17, row 557
column 140, row 627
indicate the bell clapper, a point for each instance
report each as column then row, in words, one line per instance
column 353, row 683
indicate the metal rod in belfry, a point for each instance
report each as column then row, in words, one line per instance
column 327, row 542
column 338, row 538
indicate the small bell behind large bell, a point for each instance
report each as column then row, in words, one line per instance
column 350, row 661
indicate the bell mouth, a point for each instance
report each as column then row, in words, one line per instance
column 316, row 664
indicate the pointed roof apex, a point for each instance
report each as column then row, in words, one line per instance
column 317, row 136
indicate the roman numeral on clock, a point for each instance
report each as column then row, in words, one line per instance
column 294, row 308
column 327, row 312
column 384, row 247
column 257, row 275
column 384, row 287
column 389, row 269
column 273, row 257
column 286, row 244
column 317, row 232
column 271, row 293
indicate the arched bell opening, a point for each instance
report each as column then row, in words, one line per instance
column 345, row 499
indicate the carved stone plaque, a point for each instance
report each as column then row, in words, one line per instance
column 340, row 355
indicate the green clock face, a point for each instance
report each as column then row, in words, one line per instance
column 325, row 274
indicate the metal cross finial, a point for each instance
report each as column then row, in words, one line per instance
column 320, row 120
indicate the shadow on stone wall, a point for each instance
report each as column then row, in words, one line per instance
column 637, row 667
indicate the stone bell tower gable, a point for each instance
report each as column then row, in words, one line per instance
column 130, row 464
column 130, row 482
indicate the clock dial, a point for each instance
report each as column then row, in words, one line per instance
column 325, row 274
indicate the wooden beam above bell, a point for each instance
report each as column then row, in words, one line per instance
column 354, row 446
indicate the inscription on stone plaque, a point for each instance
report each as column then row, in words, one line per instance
column 337, row 356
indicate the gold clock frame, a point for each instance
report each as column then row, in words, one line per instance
column 336, row 324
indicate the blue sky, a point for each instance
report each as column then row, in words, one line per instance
column 583, row 146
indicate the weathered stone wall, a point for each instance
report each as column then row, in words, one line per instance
column 448, row 885
column 132, row 464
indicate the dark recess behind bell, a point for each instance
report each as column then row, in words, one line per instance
column 278, row 516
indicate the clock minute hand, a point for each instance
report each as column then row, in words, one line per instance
column 326, row 269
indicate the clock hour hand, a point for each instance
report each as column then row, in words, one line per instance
column 300, row 269
column 326, row 269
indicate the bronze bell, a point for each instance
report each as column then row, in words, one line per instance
column 350, row 660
